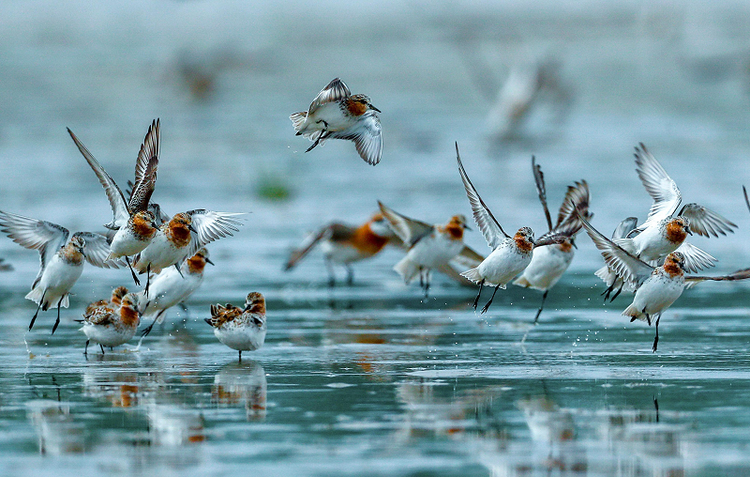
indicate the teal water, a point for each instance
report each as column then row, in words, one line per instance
column 371, row 379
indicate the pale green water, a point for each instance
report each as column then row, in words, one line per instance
column 370, row 379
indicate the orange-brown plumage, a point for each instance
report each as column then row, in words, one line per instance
column 143, row 226
column 523, row 243
column 356, row 106
column 196, row 263
column 256, row 303
column 366, row 241
column 71, row 254
column 179, row 230
column 672, row 267
column 676, row 231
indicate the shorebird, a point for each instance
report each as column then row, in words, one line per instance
column 243, row 329
column 336, row 113
column 509, row 256
column 61, row 260
column 549, row 262
column 134, row 224
column 111, row 325
column 656, row 288
column 429, row 246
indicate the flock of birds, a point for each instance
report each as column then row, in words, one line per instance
column 649, row 260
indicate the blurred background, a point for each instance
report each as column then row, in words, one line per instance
column 382, row 380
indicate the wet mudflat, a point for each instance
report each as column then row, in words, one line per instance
column 372, row 379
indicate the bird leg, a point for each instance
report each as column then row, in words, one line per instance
column 101, row 348
column 148, row 277
column 426, row 282
column 240, row 356
column 145, row 332
column 320, row 136
column 86, row 348
column 656, row 337
column 476, row 300
column 33, row 319
column 132, row 272
column 349, row 275
column 57, row 321
column 619, row 290
column 487, row 306
column 541, row 307
column 331, row 274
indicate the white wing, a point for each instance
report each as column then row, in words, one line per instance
column 491, row 229
column 120, row 213
column 659, row 186
column 706, row 222
column 407, row 229
column 210, row 226
column 334, row 91
column 625, row 265
column 96, row 250
column 35, row 234
column 695, row 258
column 367, row 137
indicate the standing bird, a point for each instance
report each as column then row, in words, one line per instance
column 656, row 288
column 238, row 328
column 61, row 259
column 510, row 255
column 549, row 262
column 429, row 246
column 172, row 287
column 132, row 220
column 344, row 245
column 114, row 301
column 182, row 237
column 111, row 325
column 664, row 232
column 337, row 113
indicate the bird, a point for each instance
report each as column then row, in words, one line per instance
column 114, row 301
column 343, row 245
column 428, row 246
column 132, row 220
column 664, row 232
column 336, row 113
column 182, row 237
column 243, row 329
column 656, row 288
column 509, row 256
column 61, row 260
column 549, row 262
column 111, row 324
column 172, row 287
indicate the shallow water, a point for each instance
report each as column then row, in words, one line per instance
column 371, row 379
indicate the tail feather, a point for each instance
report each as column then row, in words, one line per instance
column 522, row 282
column 634, row 313
column 473, row 275
column 36, row 295
column 407, row 269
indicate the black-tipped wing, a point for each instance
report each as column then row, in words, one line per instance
column 578, row 197
column 706, row 222
column 488, row 225
column 659, row 186
column 334, row 91
column 143, row 189
column 625, row 265
column 120, row 213
column 150, row 148
column 34, row 234
column 407, row 229
column 96, row 250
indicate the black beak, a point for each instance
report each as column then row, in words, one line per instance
column 209, row 261
column 374, row 108
column 467, row 228
column 687, row 229
column 192, row 229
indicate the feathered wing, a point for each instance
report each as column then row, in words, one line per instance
column 695, row 258
column 659, row 186
column 624, row 228
column 489, row 226
column 34, row 234
column 578, row 197
column 541, row 189
column 120, row 213
column 705, row 221
column 96, row 250
column 625, row 265
column 143, row 189
column 408, row 230
column 334, row 91
column 150, row 148
column 467, row 258
column 210, row 226
column 367, row 137
column 310, row 242
column 743, row 274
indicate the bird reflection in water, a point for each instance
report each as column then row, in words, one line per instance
column 242, row 383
